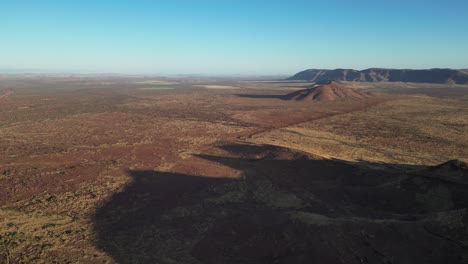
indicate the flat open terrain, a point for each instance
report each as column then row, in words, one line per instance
column 142, row 170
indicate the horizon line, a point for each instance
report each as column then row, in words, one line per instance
column 32, row 71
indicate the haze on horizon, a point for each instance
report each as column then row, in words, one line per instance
column 231, row 37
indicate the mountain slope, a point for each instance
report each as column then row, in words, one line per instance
column 326, row 91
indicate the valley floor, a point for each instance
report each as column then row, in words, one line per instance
column 117, row 171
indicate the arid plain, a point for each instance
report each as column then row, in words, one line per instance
column 161, row 170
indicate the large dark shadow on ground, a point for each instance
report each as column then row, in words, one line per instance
column 132, row 225
column 284, row 97
column 263, row 96
column 290, row 207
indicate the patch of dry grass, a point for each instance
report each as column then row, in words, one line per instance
column 420, row 130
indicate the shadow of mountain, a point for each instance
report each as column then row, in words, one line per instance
column 263, row 96
column 284, row 97
column 289, row 207
column 125, row 225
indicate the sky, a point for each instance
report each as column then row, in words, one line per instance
column 255, row 37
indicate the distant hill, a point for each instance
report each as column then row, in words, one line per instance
column 385, row 75
column 453, row 170
column 326, row 91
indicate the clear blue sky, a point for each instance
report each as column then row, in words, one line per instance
column 229, row 37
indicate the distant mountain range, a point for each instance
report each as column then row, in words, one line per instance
column 385, row 75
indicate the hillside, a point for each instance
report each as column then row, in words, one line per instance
column 326, row 91
column 385, row 75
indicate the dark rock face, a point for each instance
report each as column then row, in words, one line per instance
column 385, row 75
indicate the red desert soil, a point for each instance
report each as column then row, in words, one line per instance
column 130, row 175
column 5, row 95
column 326, row 91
